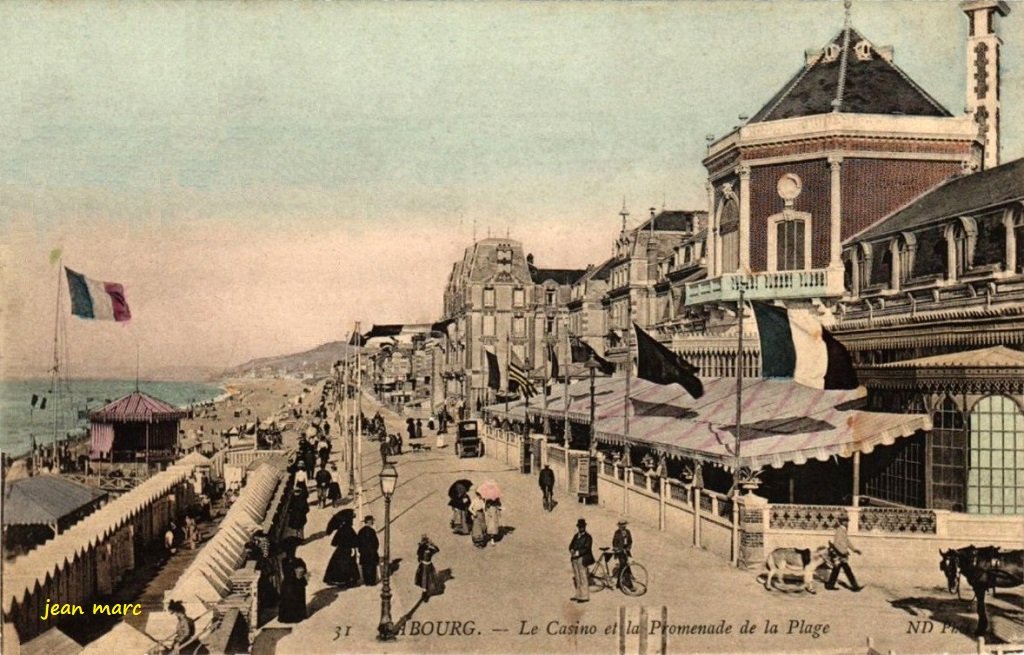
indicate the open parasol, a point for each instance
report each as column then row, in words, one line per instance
column 458, row 488
column 489, row 490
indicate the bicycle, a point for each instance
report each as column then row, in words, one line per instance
column 600, row 576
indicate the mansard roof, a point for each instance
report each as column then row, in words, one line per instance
column 558, row 275
column 846, row 82
column 672, row 220
column 959, row 196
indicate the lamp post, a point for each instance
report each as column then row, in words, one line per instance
column 592, row 366
column 590, row 492
column 388, row 481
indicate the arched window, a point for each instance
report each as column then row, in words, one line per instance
column 729, row 230
column 906, row 246
column 995, row 479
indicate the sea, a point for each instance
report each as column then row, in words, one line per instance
column 21, row 424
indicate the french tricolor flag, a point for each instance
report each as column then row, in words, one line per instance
column 795, row 345
column 100, row 300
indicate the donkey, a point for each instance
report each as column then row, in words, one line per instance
column 984, row 568
column 793, row 562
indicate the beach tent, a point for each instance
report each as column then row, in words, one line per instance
column 51, row 642
column 123, row 638
column 40, row 507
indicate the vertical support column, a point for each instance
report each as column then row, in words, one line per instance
column 856, row 479
column 835, row 241
column 752, row 510
column 744, row 174
column 712, row 232
column 696, row 516
column 1011, row 241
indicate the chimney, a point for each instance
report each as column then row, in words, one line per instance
column 983, row 73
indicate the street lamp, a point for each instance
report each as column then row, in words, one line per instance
column 388, row 482
column 592, row 366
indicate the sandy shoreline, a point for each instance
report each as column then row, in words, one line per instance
column 247, row 399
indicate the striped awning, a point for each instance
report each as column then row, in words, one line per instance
column 137, row 407
column 782, row 421
column 32, row 569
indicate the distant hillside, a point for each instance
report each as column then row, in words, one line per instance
column 317, row 361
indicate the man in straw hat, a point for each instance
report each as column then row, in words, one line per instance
column 622, row 547
column 581, row 555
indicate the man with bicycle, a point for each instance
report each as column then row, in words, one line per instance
column 622, row 546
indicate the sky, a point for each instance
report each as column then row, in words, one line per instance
column 259, row 176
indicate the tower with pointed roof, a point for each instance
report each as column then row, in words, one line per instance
column 983, row 46
column 847, row 140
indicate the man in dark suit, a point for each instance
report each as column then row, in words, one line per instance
column 582, row 555
column 368, row 557
column 547, row 487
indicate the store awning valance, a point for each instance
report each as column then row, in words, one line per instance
column 782, row 421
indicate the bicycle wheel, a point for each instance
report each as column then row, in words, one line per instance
column 596, row 581
column 636, row 575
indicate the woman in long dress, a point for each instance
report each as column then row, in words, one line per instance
column 426, row 575
column 342, row 570
column 492, row 519
column 478, row 531
column 292, row 607
column 297, row 512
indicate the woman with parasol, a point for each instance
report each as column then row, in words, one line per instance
column 458, row 500
column 491, row 495
column 477, row 531
column 341, row 569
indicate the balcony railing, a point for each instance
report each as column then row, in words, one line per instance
column 814, row 283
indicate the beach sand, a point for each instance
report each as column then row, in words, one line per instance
column 250, row 398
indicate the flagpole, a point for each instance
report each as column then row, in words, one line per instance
column 625, row 400
column 508, row 365
column 54, row 374
column 739, row 430
column 566, row 430
column 739, row 391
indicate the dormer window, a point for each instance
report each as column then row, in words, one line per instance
column 863, row 51
column 830, row 53
column 549, row 297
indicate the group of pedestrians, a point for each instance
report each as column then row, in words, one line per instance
column 474, row 515
column 342, row 569
column 581, row 556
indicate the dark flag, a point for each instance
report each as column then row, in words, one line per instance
column 35, row 399
column 493, row 372
column 517, row 374
column 552, row 363
column 42, row 403
column 581, row 352
column 795, row 345
column 658, row 364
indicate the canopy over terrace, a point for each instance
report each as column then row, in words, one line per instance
column 782, row 421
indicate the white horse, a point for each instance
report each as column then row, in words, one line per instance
column 795, row 561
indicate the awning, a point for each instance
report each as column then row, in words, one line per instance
column 25, row 573
column 782, row 421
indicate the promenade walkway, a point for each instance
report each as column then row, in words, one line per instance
column 515, row 597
